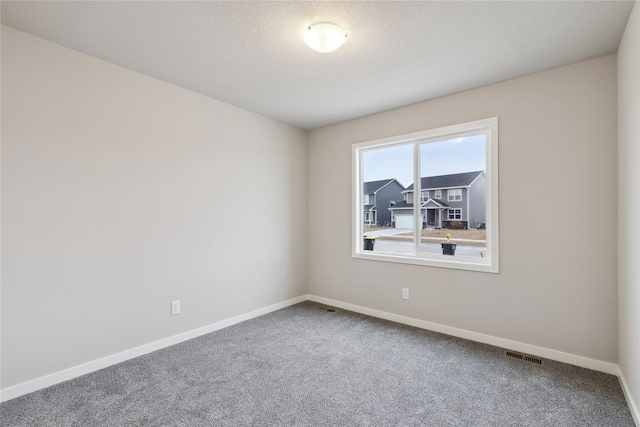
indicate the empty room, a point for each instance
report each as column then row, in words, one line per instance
column 313, row 213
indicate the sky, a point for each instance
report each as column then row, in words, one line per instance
column 436, row 158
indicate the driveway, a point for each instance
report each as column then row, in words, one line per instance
column 388, row 232
column 395, row 247
column 400, row 247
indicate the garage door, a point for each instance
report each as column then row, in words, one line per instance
column 405, row 221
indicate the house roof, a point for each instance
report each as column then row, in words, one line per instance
column 404, row 205
column 438, row 203
column 401, row 205
column 447, row 181
column 369, row 207
column 373, row 186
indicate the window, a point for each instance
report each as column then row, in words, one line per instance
column 369, row 199
column 454, row 195
column 455, row 214
column 367, row 217
column 452, row 158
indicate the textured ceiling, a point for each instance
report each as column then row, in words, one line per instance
column 250, row 54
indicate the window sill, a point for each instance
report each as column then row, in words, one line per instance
column 455, row 262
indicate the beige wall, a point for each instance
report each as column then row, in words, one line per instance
column 116, row 190
column 629, row 207
column 557, row 284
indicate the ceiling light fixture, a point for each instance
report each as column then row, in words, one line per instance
column 325, row 37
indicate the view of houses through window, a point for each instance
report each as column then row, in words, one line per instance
column 451, row 202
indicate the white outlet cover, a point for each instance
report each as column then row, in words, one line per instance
column 175, row 307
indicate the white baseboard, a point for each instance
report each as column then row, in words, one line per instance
column 584, row 362
column 76, row 371
column 635, row 413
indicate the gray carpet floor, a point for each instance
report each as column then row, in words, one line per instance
column 302, row 366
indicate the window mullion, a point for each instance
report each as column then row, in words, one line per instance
column 417, row 223
column 358, row 211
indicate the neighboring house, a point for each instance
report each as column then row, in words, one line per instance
column 446, row 201
column 377, row 197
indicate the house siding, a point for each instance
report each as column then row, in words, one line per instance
column 470, row 213
column 390, row 192
column 462, row 204
column 477, row 202
column 381, row 197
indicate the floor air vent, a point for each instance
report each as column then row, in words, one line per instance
column 524, row 357
column 330, row 310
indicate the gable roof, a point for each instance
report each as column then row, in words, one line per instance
column 404, row 205
column 447, row 181
column 374, row 186
column 438, row 203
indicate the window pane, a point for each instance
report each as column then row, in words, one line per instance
column 385, row 173
column 456, row 169
column 412, row 213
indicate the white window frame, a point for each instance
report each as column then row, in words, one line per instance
column 490, row 262
column 454, row 211
column 454, row 195
column 422, row 196
column 438, row 195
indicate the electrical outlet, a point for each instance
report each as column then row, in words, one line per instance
column 175, row 307
column 405, row 293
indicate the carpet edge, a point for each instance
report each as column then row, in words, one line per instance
column 572, row 359
column 635, row 413
column 36, row 384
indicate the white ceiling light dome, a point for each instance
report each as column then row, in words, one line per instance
column 325, row 37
